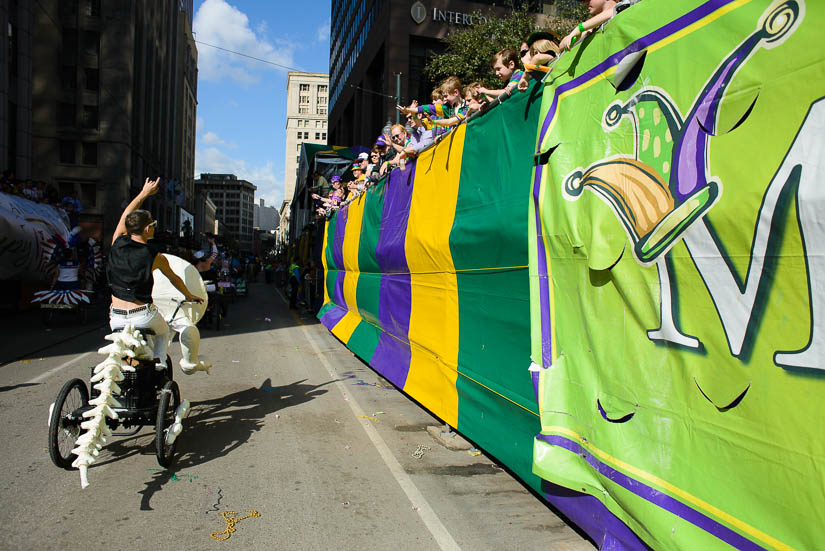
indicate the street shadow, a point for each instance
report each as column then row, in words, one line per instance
column 215, row 428
column 12, row 387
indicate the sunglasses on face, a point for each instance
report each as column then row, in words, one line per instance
column 396, row 136
column 152, row 224
column 524, row 52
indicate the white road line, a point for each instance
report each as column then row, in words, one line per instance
column 52, row 371
column 420, row 504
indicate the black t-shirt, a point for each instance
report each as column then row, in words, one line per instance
column 130, row 270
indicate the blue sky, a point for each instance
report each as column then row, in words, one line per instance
column 242, row 102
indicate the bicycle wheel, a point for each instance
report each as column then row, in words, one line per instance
column 168, row 403
column 63, row 432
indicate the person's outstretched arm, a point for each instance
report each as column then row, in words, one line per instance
column 150, row 187
column 160, row 263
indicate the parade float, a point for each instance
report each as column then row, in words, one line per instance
column 612, row 283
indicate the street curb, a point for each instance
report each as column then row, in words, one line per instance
column 450, row 440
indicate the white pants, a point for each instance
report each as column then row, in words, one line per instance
column 145, row 319
column 190, row 339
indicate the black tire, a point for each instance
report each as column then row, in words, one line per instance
column 168, row 403
column 72, row 396
column 169, row 371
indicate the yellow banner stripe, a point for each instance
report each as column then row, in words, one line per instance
column 434, row 322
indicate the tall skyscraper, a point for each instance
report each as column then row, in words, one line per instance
column 114, row 94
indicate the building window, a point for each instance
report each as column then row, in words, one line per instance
column 322, row 100
column 317, row 135
column 92, row 79
column 65, row 114
column 303, row 110
column 89, row 116
column 324, row 136
column 322, row 110
column 322, row 89
column 303, row 87
column 12, row 50
column 67, row 152
column 91, row 43
column 68, row 77
column 89, row 153
column 303, row 100
column 68, row 7
column 91, row 8
column 317, row 124
column 88, row 194
column 69, row 50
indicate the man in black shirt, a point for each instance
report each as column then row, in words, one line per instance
column 130, row 267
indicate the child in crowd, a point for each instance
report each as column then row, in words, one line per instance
column 474, row 99
column 451, row 90
column 542, row 49
column 504, row 63
column 336, row 197
column 600, row 11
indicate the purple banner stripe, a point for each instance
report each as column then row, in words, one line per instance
column 662, row 32
column 338, row 256
column 545, row 317
column 392, row 354
column 654, row 496
column 390, row 251
column 590, row 514
column 392, row 359
column 332, row 316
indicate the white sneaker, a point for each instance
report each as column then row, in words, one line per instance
column 189, row 368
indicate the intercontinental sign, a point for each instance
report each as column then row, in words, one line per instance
column 419, row 14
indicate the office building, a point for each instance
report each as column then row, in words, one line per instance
column 265, row 218
column 114, row 90
column 16, row 89
column 233, row 201
column 372, row 41
column 306, row 120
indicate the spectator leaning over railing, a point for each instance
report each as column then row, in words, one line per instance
column 420, row 137
column 543, row 48
column 505, row 63
column 600, row 11
column 373, row 173
column 451, row 88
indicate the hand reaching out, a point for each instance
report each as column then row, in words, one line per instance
column 150, row 187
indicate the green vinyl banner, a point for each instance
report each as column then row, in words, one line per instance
column 677, row 273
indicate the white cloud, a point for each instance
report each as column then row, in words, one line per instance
column 221, row 24
column 270, row 187
column 322, row 32
column 210, row 138
column 199, row 124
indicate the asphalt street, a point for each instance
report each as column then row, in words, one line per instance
column 289, row 424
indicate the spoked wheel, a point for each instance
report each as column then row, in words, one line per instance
column 168, row 403
column 64, row 432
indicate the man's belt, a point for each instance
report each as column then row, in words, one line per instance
column 120, row 312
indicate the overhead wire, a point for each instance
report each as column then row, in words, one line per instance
column 281, row 65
